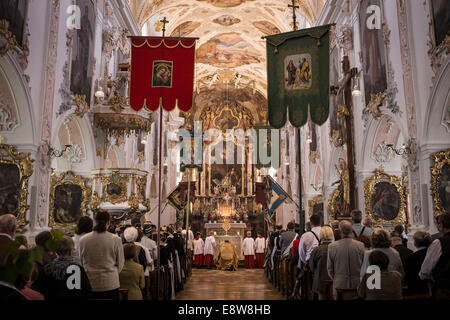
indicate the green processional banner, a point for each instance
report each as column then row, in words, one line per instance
column 298, row 66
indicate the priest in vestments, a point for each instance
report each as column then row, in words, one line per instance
column 260, row 246
column 227, row 260
column 248, row 247
column 210, row 244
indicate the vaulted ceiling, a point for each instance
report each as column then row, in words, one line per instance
column 230, row 49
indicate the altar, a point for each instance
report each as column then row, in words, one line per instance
column 235, row 234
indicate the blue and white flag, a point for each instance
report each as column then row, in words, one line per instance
column 276, row 194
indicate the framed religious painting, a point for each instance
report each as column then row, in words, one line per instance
column 13, row 16
column 440, row 182
column 440, row 12
column 15, row 171
column 115, row 188
column 69, row 198
column 385, row 197
column 374, row 53
column 82, row 55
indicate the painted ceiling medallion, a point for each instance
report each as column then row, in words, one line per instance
column 225, row 3
column 226, row 20
column 185, row 29
column 227, row 50
column 266, row 27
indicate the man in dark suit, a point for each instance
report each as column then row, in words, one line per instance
column 416, row 286
column 403, row 251
column 7, row 233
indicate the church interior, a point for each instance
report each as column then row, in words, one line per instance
column 74, row 151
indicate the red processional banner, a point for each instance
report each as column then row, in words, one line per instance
column 162, row 70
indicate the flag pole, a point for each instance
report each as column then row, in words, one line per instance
column 164, row 21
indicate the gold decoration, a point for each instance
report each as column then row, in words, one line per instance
column 342, row 111
column 95, row 201
column 141, row 187
column 376, row 101
column 312, row 156
column 118, row 125
column 440, row 159
column 68, row 178
column 119, row 180
column 133, row 202
column 10, row 38
column 311, row 203
column 26, row 168
column 80, row 102
column 369, row 190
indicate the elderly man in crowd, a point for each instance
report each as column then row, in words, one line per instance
column 345, row 258
column 416, row 286
column 7, row 233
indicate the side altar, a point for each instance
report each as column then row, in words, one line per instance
column 233, row 232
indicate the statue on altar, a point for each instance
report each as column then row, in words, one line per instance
column 227, row 259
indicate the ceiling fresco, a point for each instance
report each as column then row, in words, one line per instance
column 229, row 33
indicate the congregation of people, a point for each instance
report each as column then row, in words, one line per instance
column 350, row 259
column 100, row 262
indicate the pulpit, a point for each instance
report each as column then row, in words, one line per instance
column 234, row 234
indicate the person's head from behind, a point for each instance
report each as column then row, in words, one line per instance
column 422, row 239
column 278, row 227
column 85, row 225
column 308, row 226
column 290, row 226
column 102, row 221
column 367, row 222
column 315, row 220
column 443, row 222
column 249, row 234
column 198, row 234
column 366, row 241
column 345, row 227
column 380, row 259
column 8, row 224
column 65, row 247
column 356, row 216
column 380, row 238
column 259, row 234
column 130, row 234
column 326, row 234
column 42, row 238
column 395, row 241
column 130, row 251
column 399, row 229
column 211, row 233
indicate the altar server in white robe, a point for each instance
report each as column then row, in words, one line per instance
column 199, row 246
column 260, row 246
column 248, row 246
column 210, row 245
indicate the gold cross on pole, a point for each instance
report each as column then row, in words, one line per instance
column 294, row 17
column 164, row 22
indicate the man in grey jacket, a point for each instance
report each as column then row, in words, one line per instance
column 345, row 258
column 287, row 236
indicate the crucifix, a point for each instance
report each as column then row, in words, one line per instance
column 164, row 21
column 294, row 17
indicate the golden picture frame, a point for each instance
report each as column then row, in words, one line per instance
column 9, row 160
column 440, row 182
column 385, row 198
column 114, row 188
column 70, row 195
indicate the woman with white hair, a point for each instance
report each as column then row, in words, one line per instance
column 131, row 235
column 318, row 262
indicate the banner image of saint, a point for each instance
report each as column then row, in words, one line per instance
column 298, row 72
column 162, row 74
column 82, row 69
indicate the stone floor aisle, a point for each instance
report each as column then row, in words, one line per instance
column 244, row 284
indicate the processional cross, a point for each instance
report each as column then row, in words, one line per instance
column 164, row 21
column 294, row 17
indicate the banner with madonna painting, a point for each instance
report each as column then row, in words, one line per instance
column 440, row 182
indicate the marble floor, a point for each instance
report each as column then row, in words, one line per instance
column 244, row 284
